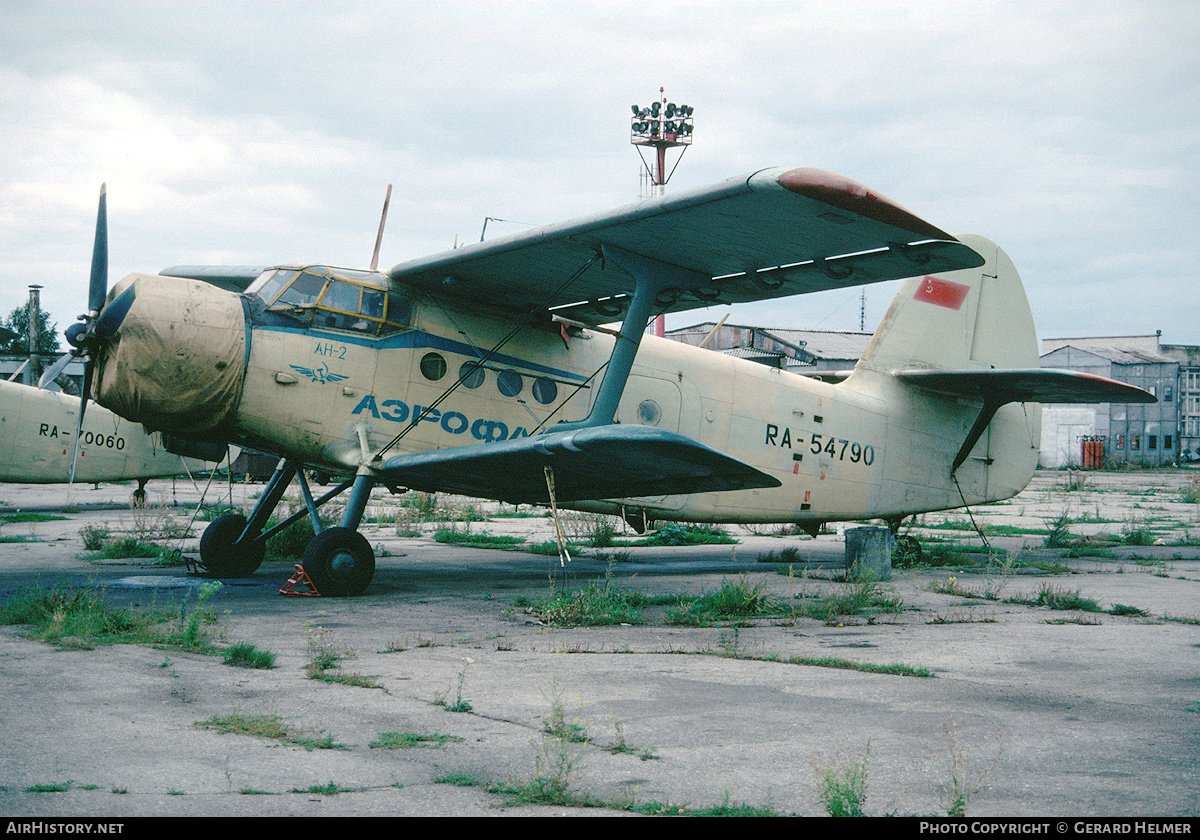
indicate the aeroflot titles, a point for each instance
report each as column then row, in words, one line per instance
column 452, row 422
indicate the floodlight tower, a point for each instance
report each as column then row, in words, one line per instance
column 661, row 126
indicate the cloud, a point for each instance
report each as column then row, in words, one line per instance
column 263, row 132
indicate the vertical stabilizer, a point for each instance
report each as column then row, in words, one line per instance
column 955, row 445
column 957, row 320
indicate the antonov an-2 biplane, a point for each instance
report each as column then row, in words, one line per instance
column 40, row 428
column 487, row 371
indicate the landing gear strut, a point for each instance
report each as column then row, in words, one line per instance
column 338, row 560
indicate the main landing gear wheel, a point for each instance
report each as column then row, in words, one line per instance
column 340, row 561
column 220, row 553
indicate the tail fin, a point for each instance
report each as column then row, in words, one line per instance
column 961, row 348
column 973, row 318
column 961, row 446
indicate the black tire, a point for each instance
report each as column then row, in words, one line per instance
column 340, row 561
column 220, row 553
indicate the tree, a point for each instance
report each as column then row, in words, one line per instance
column 18, row 322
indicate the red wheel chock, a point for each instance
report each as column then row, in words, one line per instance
column 299, row 578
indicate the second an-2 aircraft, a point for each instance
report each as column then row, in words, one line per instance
column 487, row 371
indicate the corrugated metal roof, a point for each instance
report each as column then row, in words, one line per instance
column 1117, row 355
column 823, row 344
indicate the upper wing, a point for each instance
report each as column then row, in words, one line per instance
column 603, row 462
column 233, row 278
column 775, row 233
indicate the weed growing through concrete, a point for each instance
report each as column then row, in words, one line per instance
column 81, row 618
column 736, row 599
column 189, row 635
column 960, row 770
column 1059, row 534
column 556, row 760
column 1057, row 598
column 409, row 740
column 459, row 704
column 246, row 655
column 556, row 724
column 330, row 789
column 477, row 539
column 842, row 787
column 323, row 658
column 269, row 726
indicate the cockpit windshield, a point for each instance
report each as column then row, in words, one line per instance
column 334, row 298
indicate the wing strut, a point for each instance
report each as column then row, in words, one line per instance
column 651, row 279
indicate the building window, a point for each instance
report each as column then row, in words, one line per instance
column 1120, row 441
column 1135, row 442
column 1167, row 443
column 1152, row 442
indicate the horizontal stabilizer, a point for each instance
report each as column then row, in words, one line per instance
column 1040, row 385
column 604, row 462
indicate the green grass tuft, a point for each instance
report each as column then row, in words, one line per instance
column 246, row 655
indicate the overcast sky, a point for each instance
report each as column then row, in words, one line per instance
column 262, row 132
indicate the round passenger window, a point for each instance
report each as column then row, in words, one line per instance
column 433, row 366
column 545, row 391
column 509, row 382
column 471, row 375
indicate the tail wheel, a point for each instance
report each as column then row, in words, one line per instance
column 222, row 555
column 340, row 561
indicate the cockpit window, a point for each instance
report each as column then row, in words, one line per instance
column 271, row 284
column 337, row 299
column 304, row 290
column 341, row 296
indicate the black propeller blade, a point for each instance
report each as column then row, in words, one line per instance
column 84, row 336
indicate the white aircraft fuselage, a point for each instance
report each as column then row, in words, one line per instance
column 870, row 446
column 38, row 430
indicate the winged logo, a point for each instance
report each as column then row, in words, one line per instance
column 321, row 374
